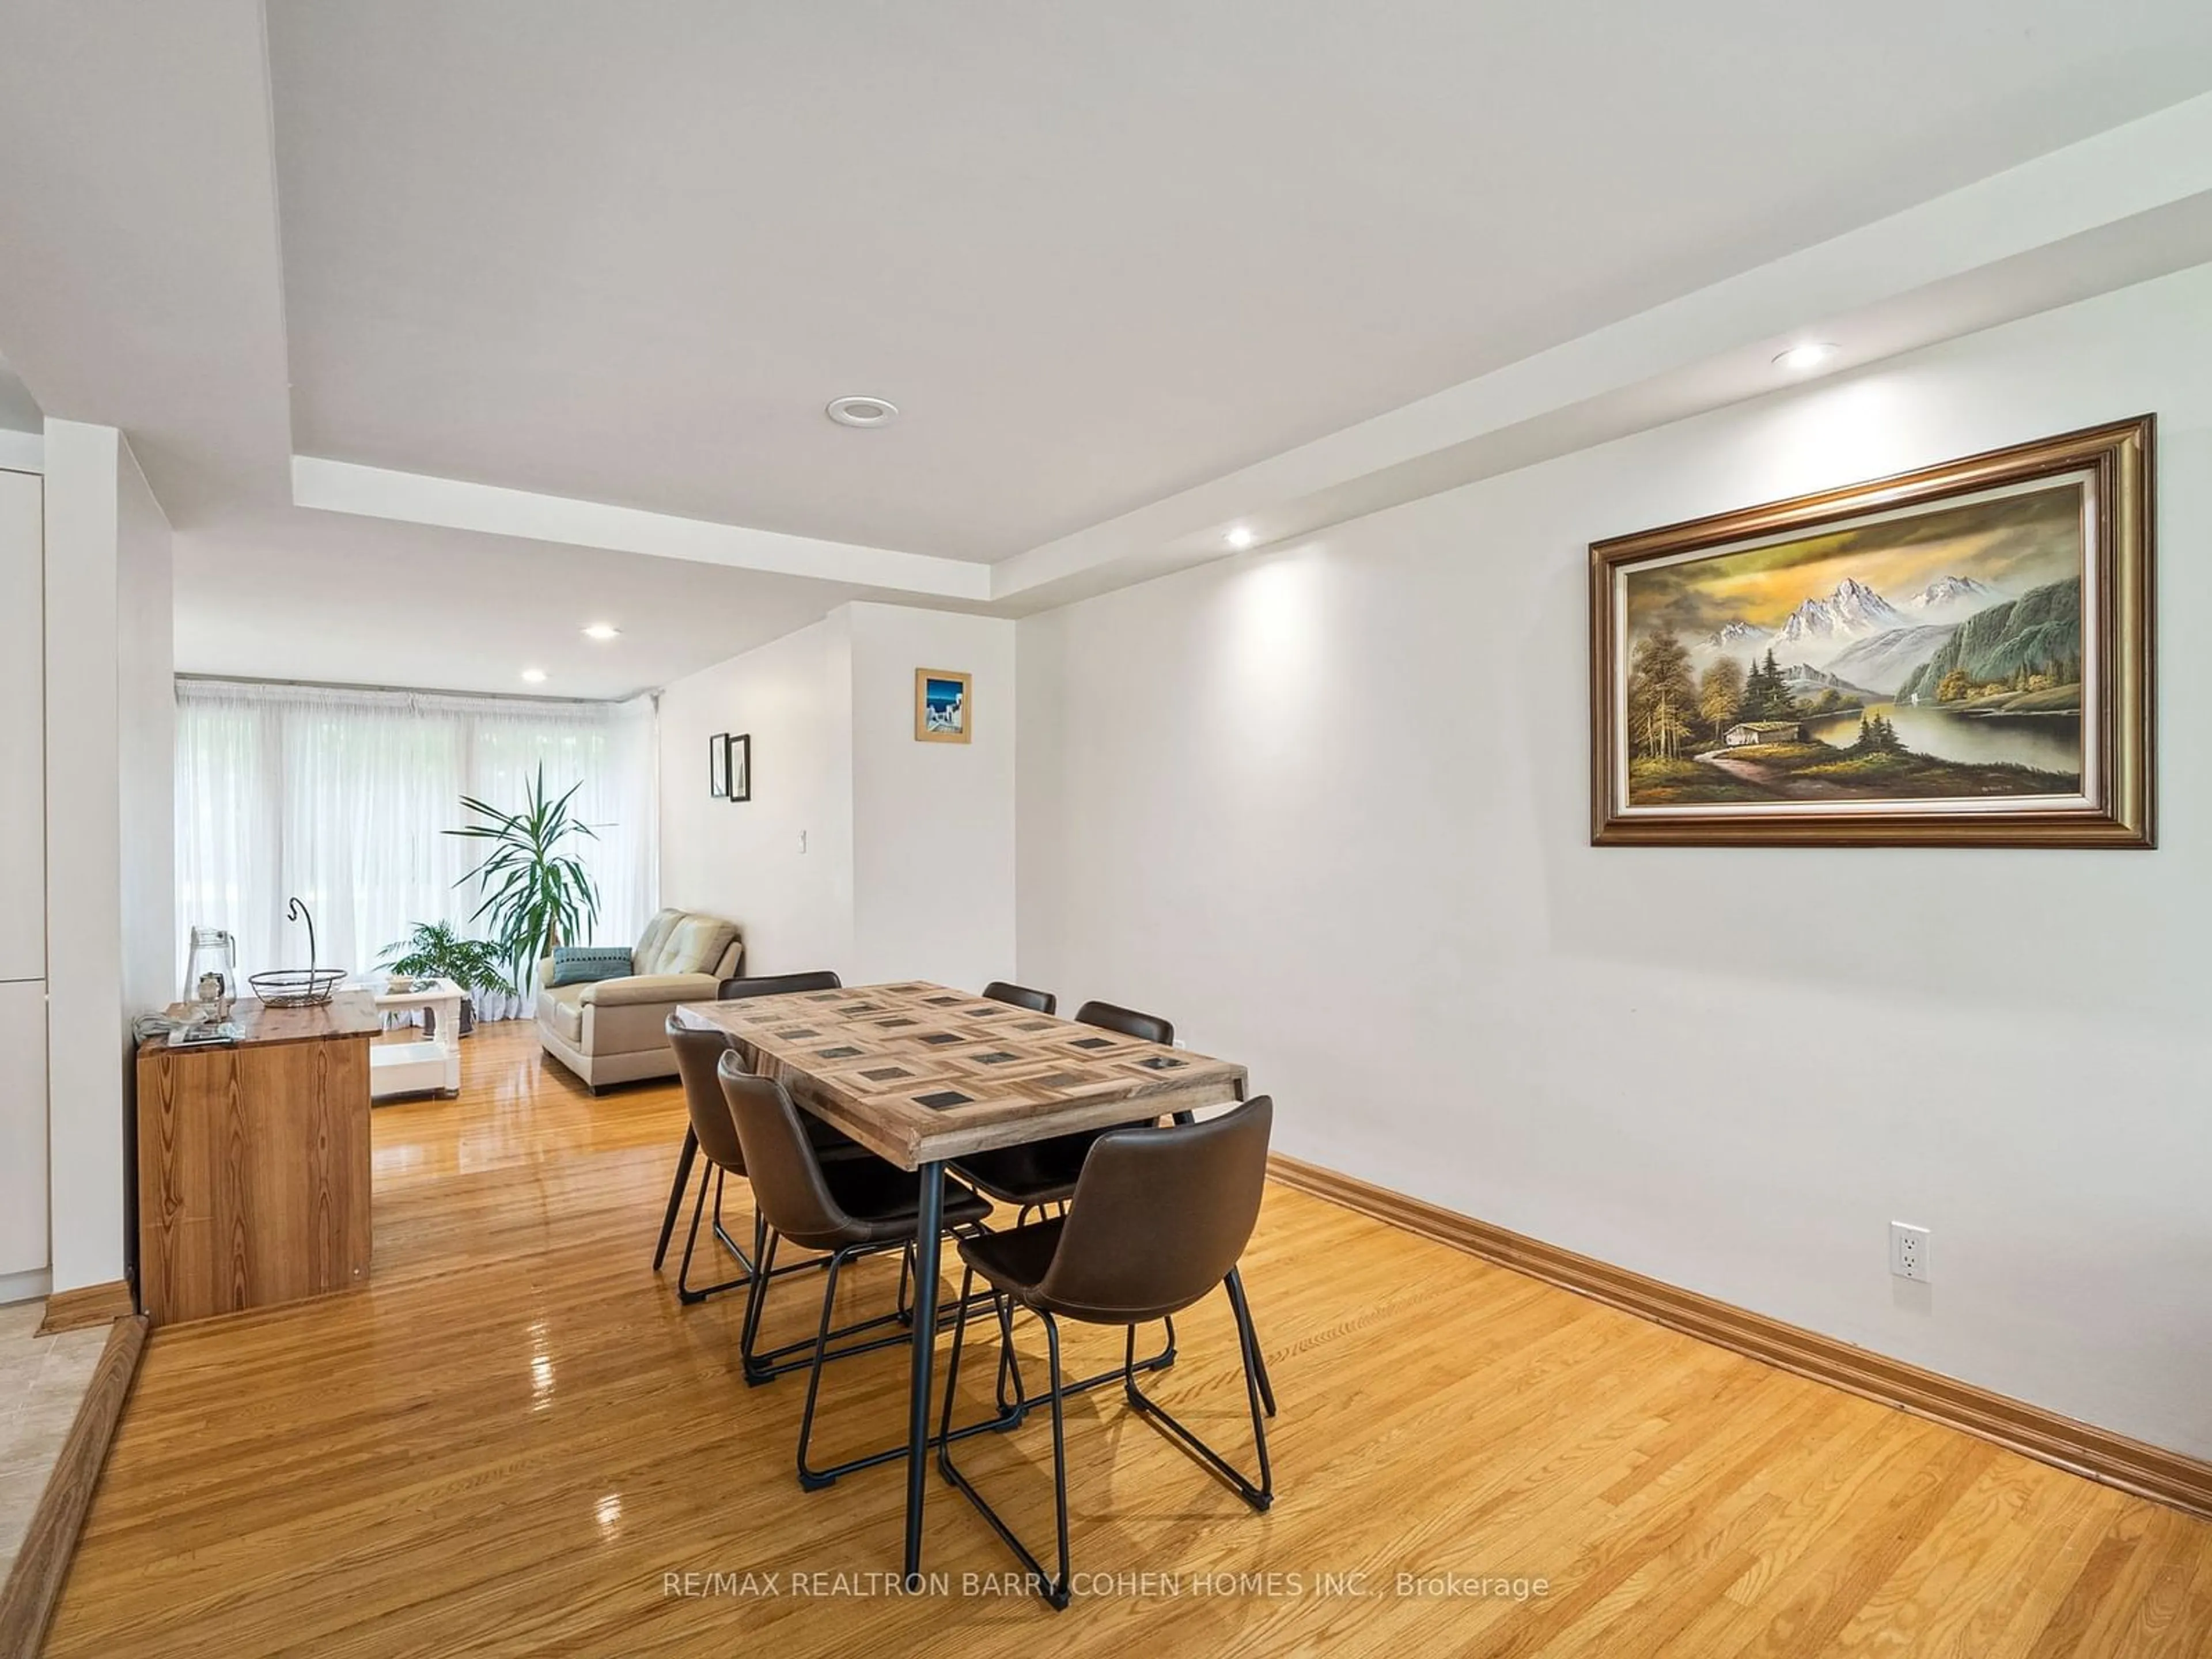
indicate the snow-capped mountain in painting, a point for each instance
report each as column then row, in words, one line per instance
column 1853, row 632
column 1736, row 637
column 1818, row 629
column 1952, row 600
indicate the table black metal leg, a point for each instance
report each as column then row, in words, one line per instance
column 676, row 1195
column 928, row 1239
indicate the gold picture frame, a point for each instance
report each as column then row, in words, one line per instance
column 1769, row 676
column 944, row 706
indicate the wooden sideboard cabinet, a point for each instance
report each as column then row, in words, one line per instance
column 253, row 1161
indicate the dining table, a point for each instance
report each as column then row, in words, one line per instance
column 922, row 1075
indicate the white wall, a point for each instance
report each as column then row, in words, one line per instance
column 933, row 823
column 1327, row 807
column 107, row 629
column 744, row 860
column 22, row 750
column 23, row 1244
column 146, row 740
column 909, row 866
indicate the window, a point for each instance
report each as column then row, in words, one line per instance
column 339, row 797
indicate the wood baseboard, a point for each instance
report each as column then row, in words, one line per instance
column 2132, row 1466
column 88, row 1304
column 34, row 1583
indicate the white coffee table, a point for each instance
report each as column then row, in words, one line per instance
column 429, row 1066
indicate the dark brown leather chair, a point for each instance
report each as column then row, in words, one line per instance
column 1042, row 1172
column 849, row 1208
column 1109, row 1016
column 699, row 1050
column 780, row 985
column 1159, row 1218
column 770, row 984
column 1020, row 996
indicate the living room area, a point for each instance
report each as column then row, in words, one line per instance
column 375, row 809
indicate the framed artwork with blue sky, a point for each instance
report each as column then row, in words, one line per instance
column 941, row 712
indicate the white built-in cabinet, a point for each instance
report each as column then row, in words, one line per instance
column 23, row 1230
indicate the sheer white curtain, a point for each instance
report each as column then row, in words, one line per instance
column 338, row 797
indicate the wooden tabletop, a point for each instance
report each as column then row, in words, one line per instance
column 348, row 1013
column 918, row 1072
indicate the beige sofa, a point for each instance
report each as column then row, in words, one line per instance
column 612, row 1030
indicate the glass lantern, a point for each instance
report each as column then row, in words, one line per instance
column 211, row 973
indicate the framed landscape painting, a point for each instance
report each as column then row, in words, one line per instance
column 1957, row 656
column 941, row 712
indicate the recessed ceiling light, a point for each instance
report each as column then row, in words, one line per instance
column 602, row 631
column 1809, row 354
column 534, row 676
column 1241, row 536
column 861, row 411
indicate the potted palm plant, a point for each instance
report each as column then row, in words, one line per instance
column 536, row 893
column 434, row 951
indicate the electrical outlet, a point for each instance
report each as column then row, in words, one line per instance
column 1908, row 1251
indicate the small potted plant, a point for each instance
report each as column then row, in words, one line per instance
column 435, row 950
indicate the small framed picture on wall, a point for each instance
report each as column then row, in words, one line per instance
column 941, row 711
column 741, row 767
column 718, row 765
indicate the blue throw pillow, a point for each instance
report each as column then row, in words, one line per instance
column 578, row 964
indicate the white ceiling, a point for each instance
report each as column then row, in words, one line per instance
column 1097, row 254
column 1133, row 271
column 327, row 597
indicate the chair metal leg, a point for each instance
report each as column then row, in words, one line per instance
column 1055, row 1590
column 1011, row 1413
column 1235, row 1285
column 756, row 1299
column 691, row 1239
column 684, row 1292
column 753, row 1265
column 1258, row 1496
column 952, row 1365
column 809, row 1479
column 814, row 1479
column 1058, row 1596
column 760, row 1367
column 1158, row 1362
column 1256, row 1393
column 765, row 1367
column 676, row 1195
column 1236, row 1296
column 722, row 1233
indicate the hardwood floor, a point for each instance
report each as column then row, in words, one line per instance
column 513, row 1438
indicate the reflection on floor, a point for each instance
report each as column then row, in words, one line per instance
column 515, row 1440
column 42, row 1379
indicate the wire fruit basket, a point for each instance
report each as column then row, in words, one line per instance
column 297, row 988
